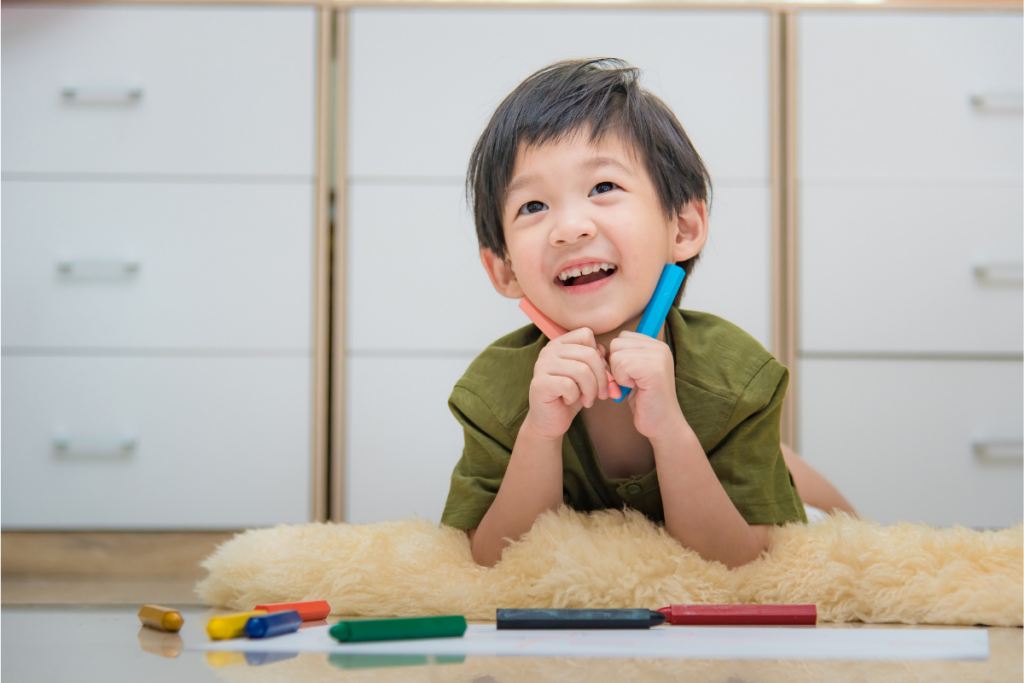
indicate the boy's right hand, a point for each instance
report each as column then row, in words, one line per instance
column 570, row 373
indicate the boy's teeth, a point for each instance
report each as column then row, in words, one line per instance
column 585, row 270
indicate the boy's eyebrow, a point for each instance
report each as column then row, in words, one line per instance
column 598, row 162
column 589, row 165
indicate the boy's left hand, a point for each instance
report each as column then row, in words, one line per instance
column 645, row 365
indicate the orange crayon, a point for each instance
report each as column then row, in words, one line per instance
column 311, row 610
column 161, row 618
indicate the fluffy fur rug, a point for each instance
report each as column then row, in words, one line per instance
column 852, row 569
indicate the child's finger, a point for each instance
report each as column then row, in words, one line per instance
column 633, row 341
column 593, row 360
column 582, row 335
column 581, row 374
column 614, row 390
column 568, row 390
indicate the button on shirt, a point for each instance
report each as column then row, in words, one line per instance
column 730, row 390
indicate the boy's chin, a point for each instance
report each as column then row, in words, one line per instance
column 603, row 326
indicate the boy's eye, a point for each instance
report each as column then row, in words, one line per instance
column 601, row 188
column 532, row 207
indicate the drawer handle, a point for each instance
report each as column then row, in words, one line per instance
column 94, row 447
column 999, row 271
column 99, row 267
column 998, row 450
column 101, row 94
column 999, row 101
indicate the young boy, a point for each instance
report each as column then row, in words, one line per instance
column 584, row 187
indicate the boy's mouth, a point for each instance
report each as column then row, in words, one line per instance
column 581, row 275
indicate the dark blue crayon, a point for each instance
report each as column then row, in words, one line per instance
column 273, row 624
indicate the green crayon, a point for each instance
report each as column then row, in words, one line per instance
column 399, row 629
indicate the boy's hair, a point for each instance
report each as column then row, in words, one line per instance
column 565, row 99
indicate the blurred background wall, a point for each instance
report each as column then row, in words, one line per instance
column 240, row 277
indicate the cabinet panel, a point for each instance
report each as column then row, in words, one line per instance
column 888, row 96
column 418, row 283
column 147, row 265
column 424, row 82
column 898, row 437
column 911, row 269
column 158, row 89
column 733, row 277
column 155, row 443
column 402, row 442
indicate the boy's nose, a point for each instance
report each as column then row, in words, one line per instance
column 572, row 228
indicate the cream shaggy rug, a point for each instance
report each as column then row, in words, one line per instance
column 852, row 569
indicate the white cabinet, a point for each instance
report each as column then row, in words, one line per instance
column 910, row 170
column 157, row 265
column 425, row 81
column 402, row 440
column 422, row 85
column 910, row 97
column 158, row 178
column 937, row 442
column 416, row 284
column 911, row 270
column 159, row 89
column 155, row 442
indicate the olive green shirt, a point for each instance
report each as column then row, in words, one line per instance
column 730, row 390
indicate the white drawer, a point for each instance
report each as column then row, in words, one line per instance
column 148, row 265
column 894, row 269
column 887, row 96
column 897, row 437
column 401, row 441
column 431, row 293
column 224, row 90
column 733, row 277
column 414, row 275
column 219, row 443
column 424, row 82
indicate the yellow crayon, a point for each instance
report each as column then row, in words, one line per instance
column 161, row 618
column 230, row 625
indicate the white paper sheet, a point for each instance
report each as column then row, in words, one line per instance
column 680, row 642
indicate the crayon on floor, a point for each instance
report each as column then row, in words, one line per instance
column 399, row 629
column 310, row 610
column 230, row 625
column 579, row 618
column 741, row 615
column 275, row 624
column 161, row 618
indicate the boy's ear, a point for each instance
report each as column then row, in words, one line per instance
column 502, row 276
column 689, row 230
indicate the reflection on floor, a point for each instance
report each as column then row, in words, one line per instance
column 91, row 643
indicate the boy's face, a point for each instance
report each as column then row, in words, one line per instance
column 575, row 207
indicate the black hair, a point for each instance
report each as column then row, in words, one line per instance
column 564, row 99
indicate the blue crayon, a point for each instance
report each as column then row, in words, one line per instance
column 658, row 307
column 273, row 624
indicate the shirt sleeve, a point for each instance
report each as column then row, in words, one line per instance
column 480, row 470
column 748, row 459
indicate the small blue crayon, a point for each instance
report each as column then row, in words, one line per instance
column 273, row 624
column 657, row 308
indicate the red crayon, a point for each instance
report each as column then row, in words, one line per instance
column 314, row 610
column 741, row 615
